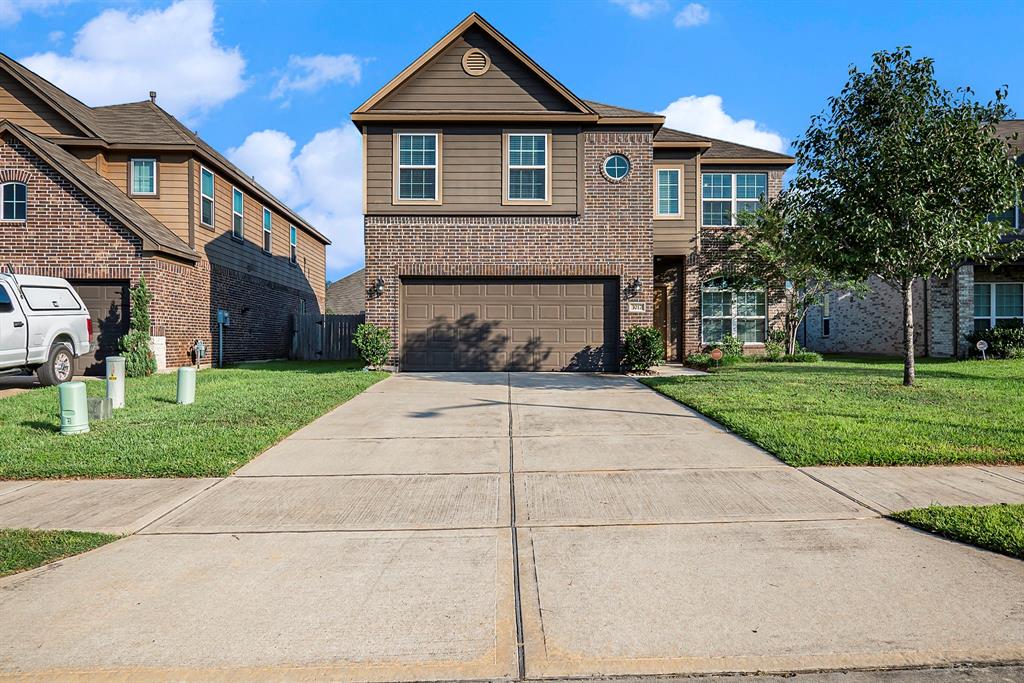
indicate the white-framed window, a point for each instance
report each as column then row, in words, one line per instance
column 997, row 304
column 527, row 167
column 742, row 314
column 267, row 230
column 237, row 213
column 826, row 316
column 726, row 195
column 14, row 206
column 293, row 241
column 668, row 202
column 206, row 197
column 143, row 177
column 417, row 167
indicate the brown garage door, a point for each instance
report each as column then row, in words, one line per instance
column 509, row 324
column 107, row 301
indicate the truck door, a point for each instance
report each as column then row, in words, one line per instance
column 13, row 330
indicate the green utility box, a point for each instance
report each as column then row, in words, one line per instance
column 186, row 385
column 74, row 410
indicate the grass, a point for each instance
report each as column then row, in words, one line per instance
column 22, row 549
column 994, row 527
column 856, row 411
column 239, row 412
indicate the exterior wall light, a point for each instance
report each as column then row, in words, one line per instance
column 632, row 290
column 378, row 287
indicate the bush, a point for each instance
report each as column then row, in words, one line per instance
column 802, row 357
column 643, row 348
column 775, row 345
column 730, row 345
column 139, row 360
column 704, row 361
column 374, row 344
column 1004, row 341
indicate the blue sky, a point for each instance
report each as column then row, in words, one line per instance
column 272, row 83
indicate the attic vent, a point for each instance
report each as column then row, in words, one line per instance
column 476, row 62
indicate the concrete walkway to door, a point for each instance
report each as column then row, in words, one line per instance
column 381, row 542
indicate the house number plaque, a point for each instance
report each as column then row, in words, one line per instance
column 637, row 307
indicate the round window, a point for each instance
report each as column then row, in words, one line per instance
column 616, row 167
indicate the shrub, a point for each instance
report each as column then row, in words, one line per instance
column 139, row 360
column 775, row 345
column 374, row 344
column 643, row 348
column 1004, row 341
column 802, row 357
column 730, row 345
column 704, row 361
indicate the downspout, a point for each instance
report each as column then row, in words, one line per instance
column 927, row 317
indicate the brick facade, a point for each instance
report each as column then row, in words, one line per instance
column 68, row 235
column 613, row 236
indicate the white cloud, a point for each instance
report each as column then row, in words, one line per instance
column 119, row 57
column 643, row 9
column 693, row 14
column 55, row 36
column 11, row 11
column 705, row 116
column 323, row 182
column 308, row 74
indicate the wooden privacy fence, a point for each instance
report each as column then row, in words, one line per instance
column 324, row 337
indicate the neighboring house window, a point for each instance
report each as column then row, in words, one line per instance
column 997, row 304
column 143, row 180
column 293, row 241
column 726, row 195
column 668, row 192
column 527, row 167
column 206, row 200
column 826, row 317
column 723, row 311
column 616, row 166
column 417, row 166
column 237, row 213
column 267, row 228
column 15, row 202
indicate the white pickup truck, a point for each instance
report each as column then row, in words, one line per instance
column 44, row 326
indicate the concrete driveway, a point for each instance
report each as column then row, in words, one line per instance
column 493, row 526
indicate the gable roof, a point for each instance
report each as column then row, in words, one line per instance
column 76, row 112
column 719, row 151
column 155, row 235
column 347, row 296
column 364, row 112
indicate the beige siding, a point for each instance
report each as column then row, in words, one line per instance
column 20, row 106
column 247, row 256
column 170, row 206
column 471, row 161
column 678, row 237
column 443, row 84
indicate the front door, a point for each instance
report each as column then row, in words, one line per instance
column 13, row 330
column 661, row 314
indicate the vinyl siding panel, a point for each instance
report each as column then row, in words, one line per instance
column 679, row 237
column 471, row 167
column 442, row 84
column 170, row 206
column 20, row 106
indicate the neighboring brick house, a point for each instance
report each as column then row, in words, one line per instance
column 511, row 224
column 105, row 196
column 974, row 296
column 347, row 296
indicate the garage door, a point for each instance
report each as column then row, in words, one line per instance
column 107, row 302
column 509, row 324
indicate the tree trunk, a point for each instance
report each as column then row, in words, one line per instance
column 791, row 337
column 909, row 372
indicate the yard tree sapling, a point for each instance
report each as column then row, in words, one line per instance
column 899, row 177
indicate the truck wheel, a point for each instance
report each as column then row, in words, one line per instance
column 59, row 366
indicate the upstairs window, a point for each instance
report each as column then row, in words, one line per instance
column 15, row 202
column 267, row 227
column 237, row 213
column 206, row 197
column 417, row 167
column 726, row 312
column 997, row 304
column 826, row 316
column 668, row 205
column 726, row 195
column 527, row 167
column 143, row 177
column 293, row 241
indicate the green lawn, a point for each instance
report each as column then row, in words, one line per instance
column 995, row 527
column 239, row 412
column 856, row 412
column 22, row 549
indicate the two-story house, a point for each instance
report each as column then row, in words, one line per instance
column 510, row 224
column 105, row 196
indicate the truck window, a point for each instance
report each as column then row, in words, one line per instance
column 50, row 298
column 6, row 305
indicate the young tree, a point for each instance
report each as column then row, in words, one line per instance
column 139, row 360
column 770, row 253
column 898, row 177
